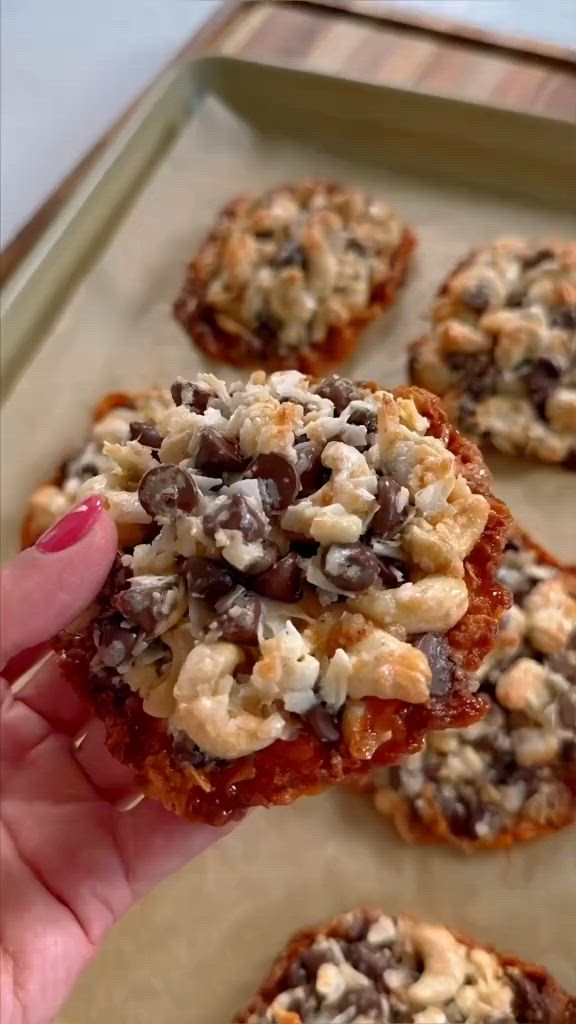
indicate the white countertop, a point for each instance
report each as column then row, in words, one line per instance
column 69, row 68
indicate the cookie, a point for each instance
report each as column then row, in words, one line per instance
column 289, row 278
column 116, row 417
column 501, row 349
column 512, row 777
column 319, row 586
column 366, row 967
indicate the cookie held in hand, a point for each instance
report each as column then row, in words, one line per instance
column 315, row 591
column 501, row 350
column 366, row 967
column 290, row 278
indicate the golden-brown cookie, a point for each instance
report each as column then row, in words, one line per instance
column 319, row 586
column 501, row 349
column 512, row 777
column 366, row 967
column 111, row 421
column 289, row 278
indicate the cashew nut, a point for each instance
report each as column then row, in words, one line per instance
column 157, row 692
column 209, row 705
column 551, row 614
column 535, row 746
column 382, row 666
column 433, row 604
column 124, row 506
column 523, row 686
column 431, row 1015
column 328, row 524
column 444, row 962
column 561, row 410
column 440, row 547
column 330, row 982
column 47, row 504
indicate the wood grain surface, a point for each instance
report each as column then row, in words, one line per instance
column 367, row 41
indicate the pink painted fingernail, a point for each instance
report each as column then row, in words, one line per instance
column 75, row 525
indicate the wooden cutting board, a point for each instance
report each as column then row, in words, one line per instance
column 373, row 42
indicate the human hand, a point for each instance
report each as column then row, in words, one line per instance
column 73, row 861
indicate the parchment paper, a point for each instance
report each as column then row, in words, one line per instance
column 194, row 950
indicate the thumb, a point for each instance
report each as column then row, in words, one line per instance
column 45, row 587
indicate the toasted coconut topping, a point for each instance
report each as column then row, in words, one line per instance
column 286, row 553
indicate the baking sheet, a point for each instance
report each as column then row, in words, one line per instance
column 194, row 950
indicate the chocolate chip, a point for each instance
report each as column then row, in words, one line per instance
column 568, row 752
column 322, row 724
column 357, row 928
column 532, row 259
column 476, row 371
column 563, row 316
column 393, row 572
column 148, row 601
column 80, row 468
column 362, row 1000
column 283, row 582
column 530, row 1005
column 146, row 433
column 567, row 709
column 515, row 298
column 351, row 567
column 166, row 490
column 303, row 1002
column 239, row 624
column 216, row 454
column 208, row 579
column 364, row 418
column 353, row 245
column 235, row 513
column 437, row 651
column 295, row 976
column 369, row 961
column 515, row 580
column 194, row 396
column 564, row 662
column 309, row 467
column 541, row 380
column 388, row 518
column 477, row 297
column 116, row 643
column 270, row 555
column 279, row 483
column 188, row 751
column 266, row 328
column 339, row 390
column 313, row 958
column 306, row 548
column 291, row 255
column 116, row 580
column 465, row 813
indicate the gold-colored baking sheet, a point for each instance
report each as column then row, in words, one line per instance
column 194, row 949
